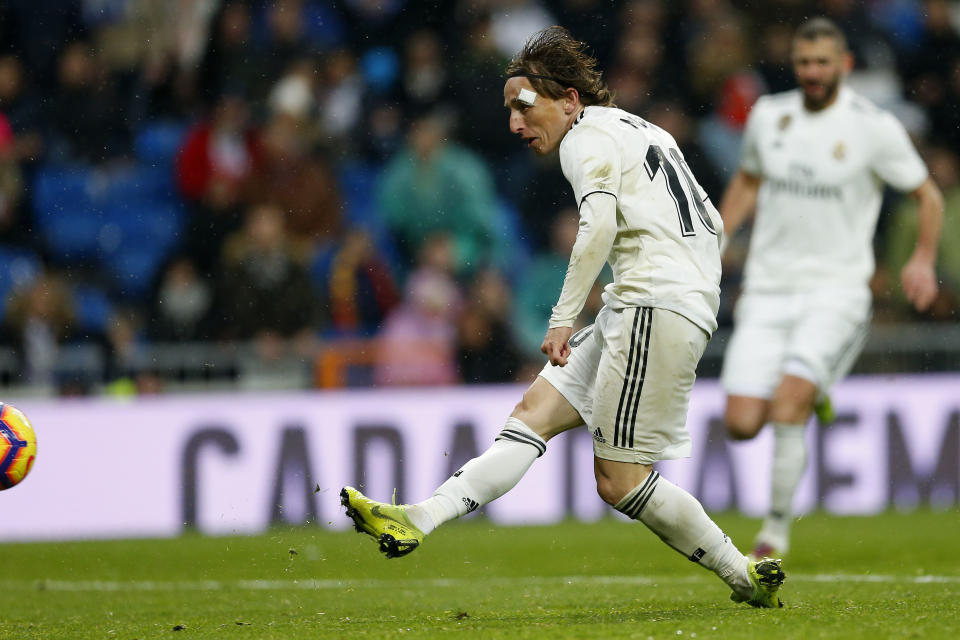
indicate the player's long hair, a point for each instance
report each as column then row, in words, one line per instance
column 553, row 52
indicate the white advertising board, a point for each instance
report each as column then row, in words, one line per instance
column 228, row 464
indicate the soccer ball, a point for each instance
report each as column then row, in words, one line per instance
column 18, row 446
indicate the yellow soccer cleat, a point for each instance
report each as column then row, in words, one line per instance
column 823, row 409
column 766, row 576
column 385, row 523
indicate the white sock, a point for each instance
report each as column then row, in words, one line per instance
column 680, row 521
column 789, row 463
column 483, row 479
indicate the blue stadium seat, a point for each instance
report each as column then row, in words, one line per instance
column 93, row 308
column 157, row 142
column 67, row 206
column 139, row 183
column 133, row 268
column 18, row 268
column 141, row 222
column 358, row 188
column 139, row 237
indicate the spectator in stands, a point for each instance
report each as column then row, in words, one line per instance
column 717, row 49
column 927, row 66
column 355, row 284
column 265, row 293
column 214, row 166
column 85, row 113
column 341, row 103
column 945, row 114
column 183, row 305
column 635, row 76
column 38, row 32
column 480, row 122
column 11, row 182
column 435, row 185
column 417, row 344
column 38, row 319
column 296, row 179
column 546, row 269
column 294, row 94
column 425, row 80
column 231, row 62
column 286, row 41
column 537, row 285
column 486, row 349
column 22, row 110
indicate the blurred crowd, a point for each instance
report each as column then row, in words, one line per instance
column 308, row 175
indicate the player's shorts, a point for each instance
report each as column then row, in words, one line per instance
column 629, row 375
column 815, row 335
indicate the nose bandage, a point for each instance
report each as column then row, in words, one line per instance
column 527, row 97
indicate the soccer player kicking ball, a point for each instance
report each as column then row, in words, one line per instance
column 813, row 165
column 628, row 376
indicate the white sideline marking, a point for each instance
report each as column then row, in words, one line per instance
column 315, row 585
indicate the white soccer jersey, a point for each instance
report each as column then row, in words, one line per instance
column 823, row 175
column 665, row 252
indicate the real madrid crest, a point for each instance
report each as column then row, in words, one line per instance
column 784, row 122
column 840, row 151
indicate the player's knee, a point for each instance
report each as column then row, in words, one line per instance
column 742, row 427
column 609, row 490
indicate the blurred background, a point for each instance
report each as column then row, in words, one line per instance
column 203, row 195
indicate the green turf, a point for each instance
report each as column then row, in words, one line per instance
column 893, row 576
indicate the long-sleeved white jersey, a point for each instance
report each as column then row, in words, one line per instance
column 642, row 211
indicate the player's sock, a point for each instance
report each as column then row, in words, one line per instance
column 680, row 521
column 483, row 479
column 789, row 462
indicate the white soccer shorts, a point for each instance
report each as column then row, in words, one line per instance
column 814, row 335
column 629, row 375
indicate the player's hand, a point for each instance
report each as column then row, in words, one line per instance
column 556, row 345
column 919, row 280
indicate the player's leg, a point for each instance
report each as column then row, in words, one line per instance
column 753, row 360
column 541, row 414
column 644, row 380
column 790, row 410
column 678, row 518
column 826, row 342
column 744, row 416
column 551, row 405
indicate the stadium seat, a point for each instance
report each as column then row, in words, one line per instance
column 157, row 142
column 133, row 269
column 18, row 268
column 140, row 183
column 93, row 309
column 358, row 188
column 67, row 205
column 136, row 239
column 144, row 222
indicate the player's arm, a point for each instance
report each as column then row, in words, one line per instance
column 738, row 203
column 918, row 276
column 598, row 229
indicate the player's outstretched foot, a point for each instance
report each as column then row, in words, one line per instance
column 386, row 523
column 823, row 409
column 766, row 576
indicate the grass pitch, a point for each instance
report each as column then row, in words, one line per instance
column 891, row 576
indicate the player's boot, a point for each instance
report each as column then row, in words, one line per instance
column 823, row 409
column 386, row 523
column 766, row 576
